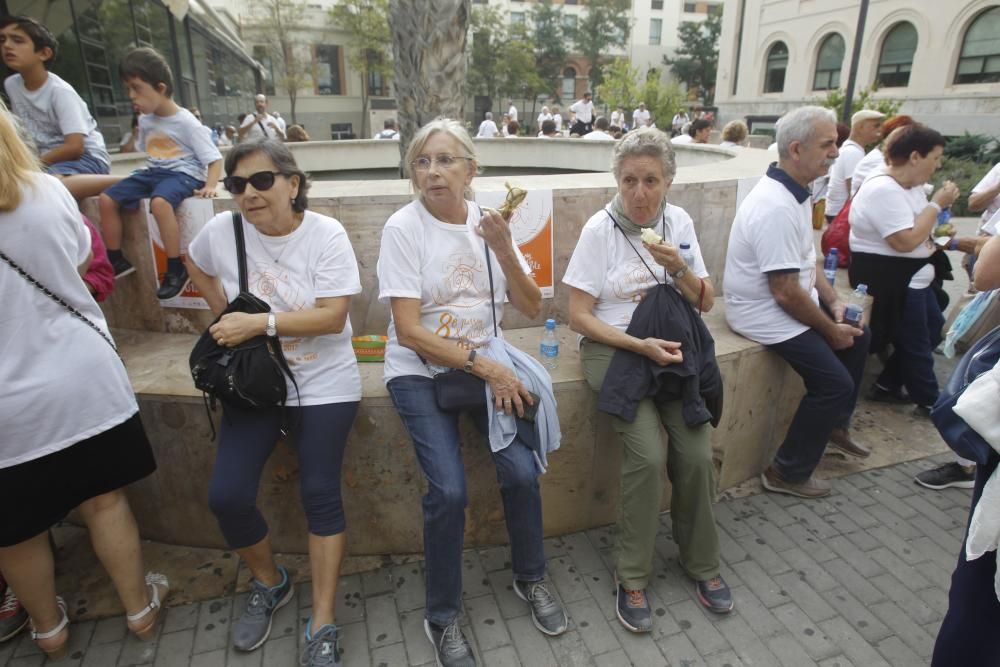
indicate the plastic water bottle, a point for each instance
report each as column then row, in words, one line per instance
column 944, row 216
column 687, row 254
column 550, row 346
column 830, row 266
column 855, row 308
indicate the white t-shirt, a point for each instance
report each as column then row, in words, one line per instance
column 444, row 266
column 851, row 154
column 679, row 120
column 177, row 143
column 557, row 119
column 488, row 129
column 604, row 265
column 871, row 164
column 640, row 117
column 772, row 231
column 598, row 135
column 255, row 132
column 882, row 208
column 584, row 110
column 990, row 180
column 542, row 117
column 512, row 112
column 60, row 383
column 618, row 118
column 729, row 144
column 52, row 112
column 316, row 261
column 682, row 139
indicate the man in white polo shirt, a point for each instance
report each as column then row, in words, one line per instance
column 584, row 110
column 777, row 295
column 866, row 129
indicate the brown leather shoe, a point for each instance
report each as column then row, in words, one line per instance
column 810, row 488
column 841, row 439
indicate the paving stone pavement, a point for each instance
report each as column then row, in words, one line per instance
column 858, row 579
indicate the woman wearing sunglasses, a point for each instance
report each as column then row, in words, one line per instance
column 302, row 264
column 434, row 271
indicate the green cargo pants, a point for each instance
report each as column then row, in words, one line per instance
column 688, row 458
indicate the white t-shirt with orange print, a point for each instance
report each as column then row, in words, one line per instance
column 444, row 266
column 177, row 143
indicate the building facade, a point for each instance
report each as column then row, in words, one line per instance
column 212, row 68
column 942, row 59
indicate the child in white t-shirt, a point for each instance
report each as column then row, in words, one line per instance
column 183, row 162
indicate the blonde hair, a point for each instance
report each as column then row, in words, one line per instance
column 452, row 128
column 20, row 165
column 735, row 131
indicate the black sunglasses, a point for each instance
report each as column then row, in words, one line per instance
column 262, row 180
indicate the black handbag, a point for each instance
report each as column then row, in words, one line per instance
column 250, row 375
column 961, row 437
column 456, row 390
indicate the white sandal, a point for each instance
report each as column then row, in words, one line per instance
column 155, row 581
column 62, row 649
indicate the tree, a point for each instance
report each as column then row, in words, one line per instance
column 697, row 58
column 603, row 25
column 367, row 26
column 517, row 68
column 620, row 86
column 489, row 34
column 275, row 23
column 834, row 99
column 549, row 41
column 428, row 43
column 662, row 99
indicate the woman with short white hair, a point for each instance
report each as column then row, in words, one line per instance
column 446, row 267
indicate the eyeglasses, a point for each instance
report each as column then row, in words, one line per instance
column 262, row 180
column 443, row 161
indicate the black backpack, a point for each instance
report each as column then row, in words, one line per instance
column 250, row 375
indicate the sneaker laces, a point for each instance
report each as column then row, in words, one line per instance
column 10, row 603
column 321, row 650
column 636, row 598
column 453, row 641
column 715, row 584
column 260, row 600
column 540, row 595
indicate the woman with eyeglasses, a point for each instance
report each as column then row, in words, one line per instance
column 302, row 264
column 434, row 271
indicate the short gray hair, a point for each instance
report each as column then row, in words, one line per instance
column 648, row 142
column 450, row 127
column 800, row 125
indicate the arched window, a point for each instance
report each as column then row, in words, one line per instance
column 828, row 63
column 896, row 60
column 979, row 61
column 569, row 84
column 774, row 72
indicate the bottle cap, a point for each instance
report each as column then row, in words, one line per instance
column 863, row 288
column 833, row 251
column 685, row 246
column 550, row 324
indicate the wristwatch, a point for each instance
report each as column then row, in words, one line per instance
column 470, row 361
column 272, row 325
column 679, row 274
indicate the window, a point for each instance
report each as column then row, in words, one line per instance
column 517, row 18
column 774, row 72
column 569, row 21
column 716, row 10
column 569, row 84
column 896, row 59
column 261, row 55
column 979, row 61
column 326, row 70
column 828, row 63
column 690, row 7
column 655, row 29
column 657, row 4
column 377, row 85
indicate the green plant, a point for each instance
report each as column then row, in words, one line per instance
column 696, row 60
column 978, row 148
column 966, row 174
column 864, row 99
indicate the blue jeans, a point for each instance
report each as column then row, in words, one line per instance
column 85, row 164
column 436, row 441
column 911, row 364
column 832, row 380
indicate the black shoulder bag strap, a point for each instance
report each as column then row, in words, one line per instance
column 58, row 299
column 241, row 260
column 636, row 250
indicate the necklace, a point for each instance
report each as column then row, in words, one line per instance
column 260, row 239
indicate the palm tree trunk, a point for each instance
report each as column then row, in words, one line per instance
column 428, row 43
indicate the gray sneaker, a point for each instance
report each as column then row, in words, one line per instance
column 321, row 649
column 451, row 649
column 255, row 625
column 546, row 612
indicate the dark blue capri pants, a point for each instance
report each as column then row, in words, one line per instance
column 247, row 439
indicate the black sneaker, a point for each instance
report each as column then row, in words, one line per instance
column 715, row 595
column 950, row 475
column 122, row 267
column 897, row 396
column 172, row 284
column 922, row 411
column 546, row 612
column 451, row 648
column 633, row 610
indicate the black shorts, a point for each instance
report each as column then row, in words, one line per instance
column 36, row 495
